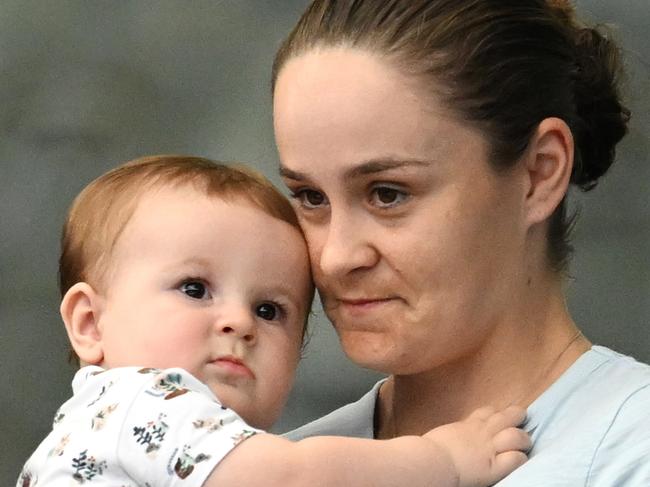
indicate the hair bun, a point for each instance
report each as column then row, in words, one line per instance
column 601, row 117
column 563, row 9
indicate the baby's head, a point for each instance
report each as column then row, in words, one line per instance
column 174, row 261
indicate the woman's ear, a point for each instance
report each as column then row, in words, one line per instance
column 80, row 310
column 549, row 162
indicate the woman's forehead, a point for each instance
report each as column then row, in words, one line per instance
column 336, row 74
column 369, row 124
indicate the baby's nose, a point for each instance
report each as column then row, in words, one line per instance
column 238, row 323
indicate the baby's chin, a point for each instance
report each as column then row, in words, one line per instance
column 261, row 423
column 252, row 416
column 247, row 408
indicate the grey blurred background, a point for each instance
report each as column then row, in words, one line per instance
column 86, row 85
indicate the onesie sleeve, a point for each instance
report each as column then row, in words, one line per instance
column 176, row 431
column 623, row 456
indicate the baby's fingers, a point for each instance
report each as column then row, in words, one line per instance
column 506, row 462
column 482, row 414
column 511, row 416
column 512, row 439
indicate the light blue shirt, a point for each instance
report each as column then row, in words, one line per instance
column 591, row 428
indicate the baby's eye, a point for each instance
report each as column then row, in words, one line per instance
column 194, row 289
column 310, row 198
column 268, row 311
column 387, row 196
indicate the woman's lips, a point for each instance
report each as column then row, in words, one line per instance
column 364, row 305
column 233, row 366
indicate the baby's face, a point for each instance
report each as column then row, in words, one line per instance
column 219, row 289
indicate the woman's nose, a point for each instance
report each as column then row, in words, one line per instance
column 346, row 246
column 237, row 322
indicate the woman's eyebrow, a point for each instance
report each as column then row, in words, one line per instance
column 372, row 166
column 290, row 174
column 384, row 164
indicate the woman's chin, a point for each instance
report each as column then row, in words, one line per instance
column 372, row 351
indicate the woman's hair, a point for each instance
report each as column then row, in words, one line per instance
column 502, row 65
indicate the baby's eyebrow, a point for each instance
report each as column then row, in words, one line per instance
column 284, row 293
column 281, row 291
column 195, row 261
column 191, row 264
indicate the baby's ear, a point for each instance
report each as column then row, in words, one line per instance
column 80, row 310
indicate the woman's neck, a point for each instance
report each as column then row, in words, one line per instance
column 519, row 361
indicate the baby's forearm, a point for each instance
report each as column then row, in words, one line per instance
column 333, row 461
column 408, row 460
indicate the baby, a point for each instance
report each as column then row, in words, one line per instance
column 186, row 289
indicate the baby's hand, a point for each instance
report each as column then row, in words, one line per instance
column 486, row 446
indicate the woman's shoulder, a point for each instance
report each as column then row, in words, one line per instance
column 592, row 426
column 354, row 419
column 620, row 389
column 621, row 373
column 619, row 418
column 600, row 376
column 596, row 387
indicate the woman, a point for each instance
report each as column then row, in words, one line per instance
column 429, row 146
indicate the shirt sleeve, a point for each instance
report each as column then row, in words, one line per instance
column 623, row 456
column 176, row 431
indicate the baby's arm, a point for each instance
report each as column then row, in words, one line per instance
column 475, row 452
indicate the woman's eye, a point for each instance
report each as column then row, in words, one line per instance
column 267, row 311
column 309, row 198
column 194, row 289
column 386, row 197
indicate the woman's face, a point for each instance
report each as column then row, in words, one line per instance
column 416, row 243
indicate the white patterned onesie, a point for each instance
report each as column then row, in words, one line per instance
column 129, row 427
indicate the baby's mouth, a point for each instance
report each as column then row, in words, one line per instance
column 232, row 365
